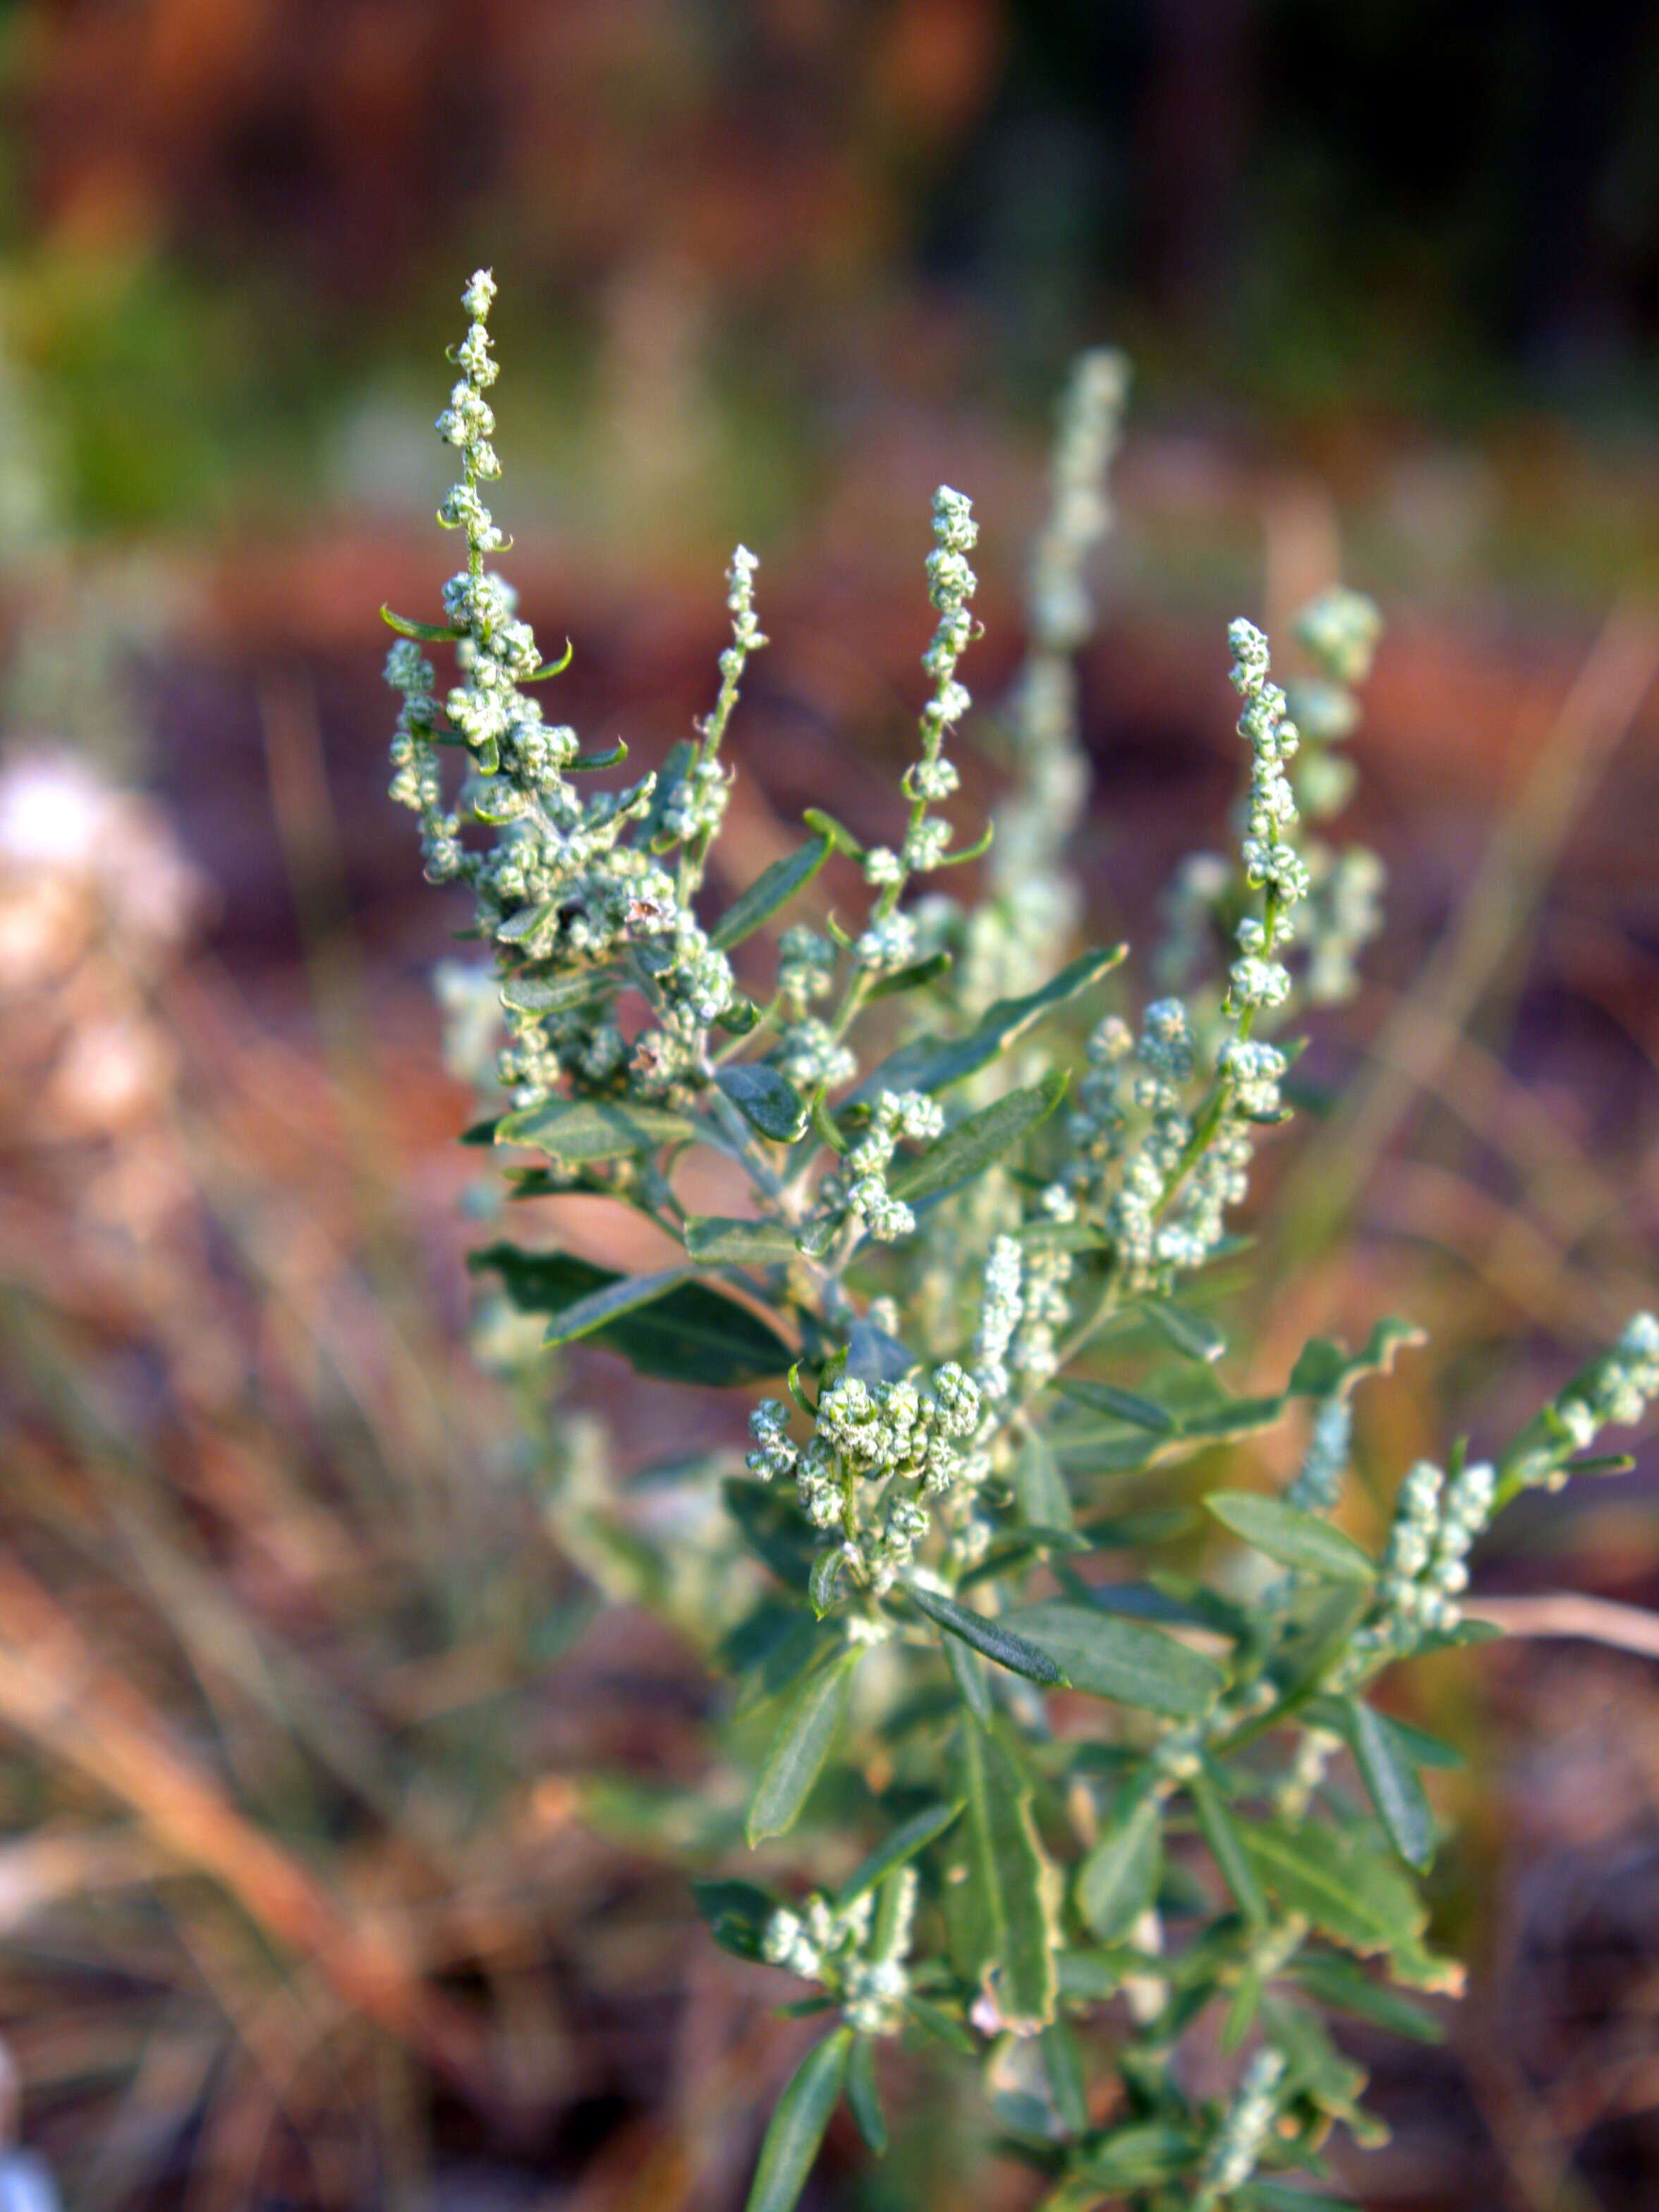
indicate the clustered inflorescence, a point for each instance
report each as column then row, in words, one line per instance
column 860, row 1965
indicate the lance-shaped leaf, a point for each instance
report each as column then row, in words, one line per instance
column 1324, row 1370
column 1123, row 1660
column 578, row 1130
column 1015, row 1652
column 765, row 1100
column 1191, row 1334
column 1118, row 1880
column 736, row 1913
column 774, row 887
column 1122, row 1405
column 799, row 2124
column 864, row 2096
column 1345, row 1888
column 427, row 633
column 980, row 1141
column 663, row 1325
column 1389, row 1776
column 555, row 994
column 1343, row 1986
column 1040, row 1487
column 1002, row 1888
column 913, row 978
column 806, row 1737
column 720, row 1241
column 934, row 1063
column 911, row 1837
column 1292, row 1537
column 1216, row 1826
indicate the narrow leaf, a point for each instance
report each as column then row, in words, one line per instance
column 1324, row 1370
column 427, row 633
column 839, row 838
column 864, row 2096
column 968, row 1674
column 1123, row 1660
column 623, row 1296
column 774, row 887
column 932, row 1064
column 1064, row 2064
column 1193, row 1336
column 688, row 1334
column 799, row 2124
column 1004, row 1924
column 1040, row 1487
column 553, row 994
column 913, row 978
column 1349, row 1892
column 670, row 776
column 1122, row 1405
column 1392, row 1782
column 577, row 1130
column 804, row 1742
column 1292, row 1537
column 1226, row 1848
column 977, row 1143
column 763, row 1098
column 736, row 1913
column 1343, row 1986
column 722, row 1241
column 912, row 1836
column 989, row 1636
column 825, row 1574
column 1118, row 1880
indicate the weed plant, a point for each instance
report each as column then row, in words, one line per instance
column 1102, row 1797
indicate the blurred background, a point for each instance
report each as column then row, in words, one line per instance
column 341, row 1831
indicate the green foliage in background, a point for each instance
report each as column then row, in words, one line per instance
column 1104, row 1788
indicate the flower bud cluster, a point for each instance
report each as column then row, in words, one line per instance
column 1244, row 2130
column 1425, row 1569
column 867, row 1980
column 883, row 1433
column 1271, row 862
column 858, row 1189
column 1318, row 1484
column 1614, row 1391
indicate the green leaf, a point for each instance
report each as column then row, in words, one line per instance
column 825, row 1574
column 1002, row 1899
column 942, row 2025
column 1118, row 1879
column 427, row 633
column 799, row 2124
column 932, row 1064
column 913, row 978
column 625, row 1294
column 669, row 776
column 577, row 1130
column 774, row 1527
column 590, row 764
column 736, row 1913
column 864, row 2098
column 719, row 1240
column 1233, row 1417
column 1392, row 1781
column 1122, row 1405
column 525, row 922
column 976, row 1144
column 989, row 1636
column 804, row 1742
column 1039, row 1485
column 774, row 887
column 554, row 994
column 763, row 1096
column 1123, row 1660
column 1226, row 1848
column 1343, row 1986
column 1138, row 2156
column 840, row 838
column 911, row 1837
column 1348, row 1890
column 968, row 1677
column 1323, row 1370
column 1193, row 1336
column 1292, row 1537
column 688, row 1332
column 1063, row 2063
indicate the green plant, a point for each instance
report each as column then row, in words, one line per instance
column 961, row 1275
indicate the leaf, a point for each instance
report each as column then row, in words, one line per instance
column 689, row 1333
column 1118, row 1879
column 1063, row 2063
column 1003, row 1920
column 736, row 1913
column 968, row 1677
column 1122, row 1405
column 1039, row 1485
column 804, row 1742
column 1193, row 1336
column 1122, row 1660
column 1292, row 1537
column 840, row 838
column 623, row 1294
column 873, row 1356
column 427, row 633
column 1391, row 1781
column 911, row 1837
column 989, row 1636
column 825, row 1574
column 525, row 922
column 913, row 978
column 1323, row 1370
column 774, row 887
column 1343, row 1986
column 1234, row 1417
column 720, row 1240
column 774, row 1527
column 1138, row 2156
column 654, row 822
column 577, row 1130
column 799, row 2124
column 976, row 1144
column 763, row 1096
column 1346, row 1890
column 932, row 1064
column 864, row 2098
column 1226, row 1848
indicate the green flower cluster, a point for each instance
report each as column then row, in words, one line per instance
column 861, row 1965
